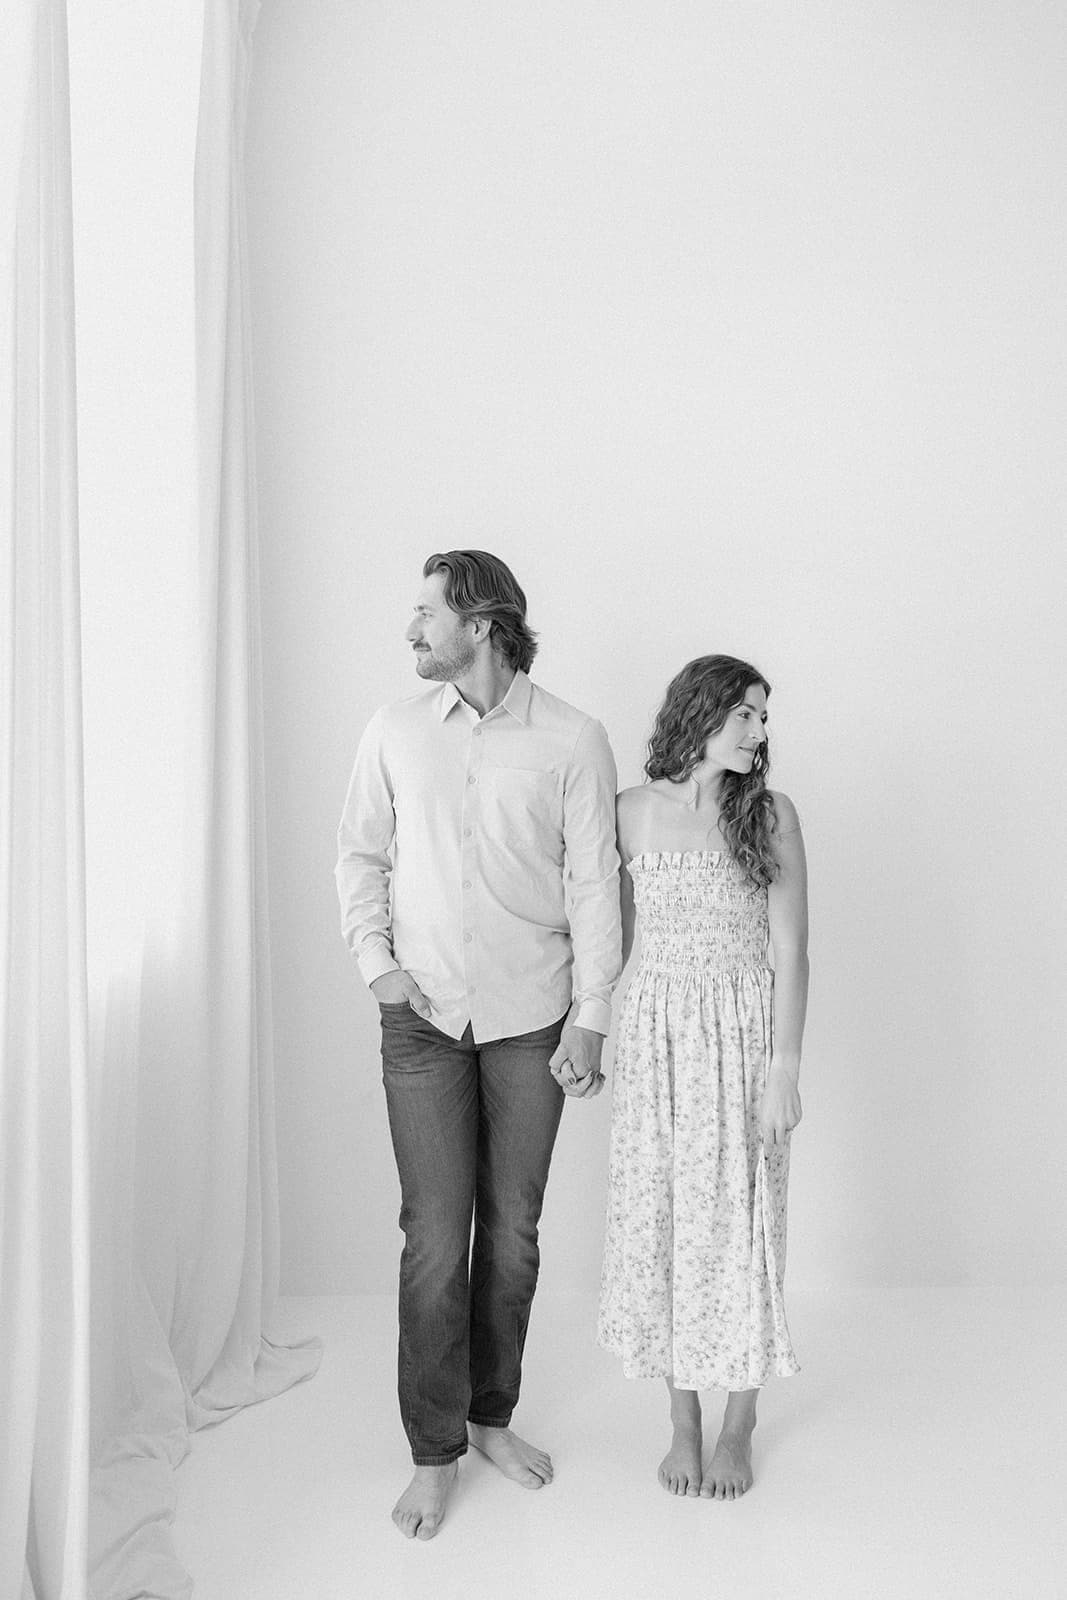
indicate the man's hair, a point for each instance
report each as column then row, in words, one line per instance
column 478, row 584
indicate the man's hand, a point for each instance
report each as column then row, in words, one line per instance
column 780, row 1111
column 393, row 988
column 575, row 1062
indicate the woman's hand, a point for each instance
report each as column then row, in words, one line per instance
column 781, row 1109
column 575, row 1062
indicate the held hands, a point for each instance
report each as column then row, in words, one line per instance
column 780, row 1111
column 575, row 1062
column 393, row 988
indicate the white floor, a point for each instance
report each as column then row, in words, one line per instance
column 921, row 1453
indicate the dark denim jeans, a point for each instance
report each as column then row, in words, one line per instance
column 473, row 1128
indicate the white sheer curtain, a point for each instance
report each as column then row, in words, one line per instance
column 192, row 1257
column 44, row 1247
column 165, row 1113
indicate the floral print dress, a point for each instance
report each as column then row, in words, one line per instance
column 695, row 1250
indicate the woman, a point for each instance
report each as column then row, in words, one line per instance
column 706, row 1067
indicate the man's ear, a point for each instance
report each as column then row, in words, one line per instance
column 481, row 628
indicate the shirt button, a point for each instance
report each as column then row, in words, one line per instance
column 477, row 733
column 466, row 883
column 472, row 990
column 472, row 779
column 467, row 937
column 468, row 833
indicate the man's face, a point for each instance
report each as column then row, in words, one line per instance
column 444, row 649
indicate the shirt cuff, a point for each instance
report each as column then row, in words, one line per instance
column 376, row 963
column 594, row 1015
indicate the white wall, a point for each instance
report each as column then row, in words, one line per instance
column 731, row 327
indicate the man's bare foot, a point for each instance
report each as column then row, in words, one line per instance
column 679, row 1471
column 729, row 1471
column 516, row 1459
column 420, row 1510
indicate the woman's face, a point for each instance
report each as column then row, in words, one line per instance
column 734, row 747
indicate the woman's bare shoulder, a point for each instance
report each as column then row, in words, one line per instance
column 786, row 816
column 633, row 805
column 631, row 811
column 629, row 800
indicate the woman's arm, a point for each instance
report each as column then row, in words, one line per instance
column 787, row 907
column 627, row 805
column 626, row 907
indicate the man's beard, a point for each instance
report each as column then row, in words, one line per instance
column 445, row 668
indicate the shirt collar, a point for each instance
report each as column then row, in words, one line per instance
column 517, row 699
column 450, row 697
column 516, row 702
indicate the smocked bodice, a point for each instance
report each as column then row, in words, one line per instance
column 698, row 911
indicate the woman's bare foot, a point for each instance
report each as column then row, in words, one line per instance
column 522, row 1462
column 679, row 1471
column 420, row 1510
column 729, row 1471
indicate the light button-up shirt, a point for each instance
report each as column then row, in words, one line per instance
column 478, row 854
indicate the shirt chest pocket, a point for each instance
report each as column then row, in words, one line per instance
column 523, row 810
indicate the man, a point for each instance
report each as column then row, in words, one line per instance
column 478, row 880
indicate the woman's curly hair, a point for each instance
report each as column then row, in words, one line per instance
column 697, row 703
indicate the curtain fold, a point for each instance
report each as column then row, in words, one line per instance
column 44, row 1141
column 160, row 1091
column 187, row 1038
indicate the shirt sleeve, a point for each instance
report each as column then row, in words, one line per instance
column 364, row 862
column 592, row 876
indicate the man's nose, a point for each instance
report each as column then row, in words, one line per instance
column 411, row 632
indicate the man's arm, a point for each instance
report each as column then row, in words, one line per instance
column 364, row 867
column 592, row 864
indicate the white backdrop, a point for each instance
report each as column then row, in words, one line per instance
column 731, row 327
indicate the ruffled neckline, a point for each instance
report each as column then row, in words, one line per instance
column 676, row 858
